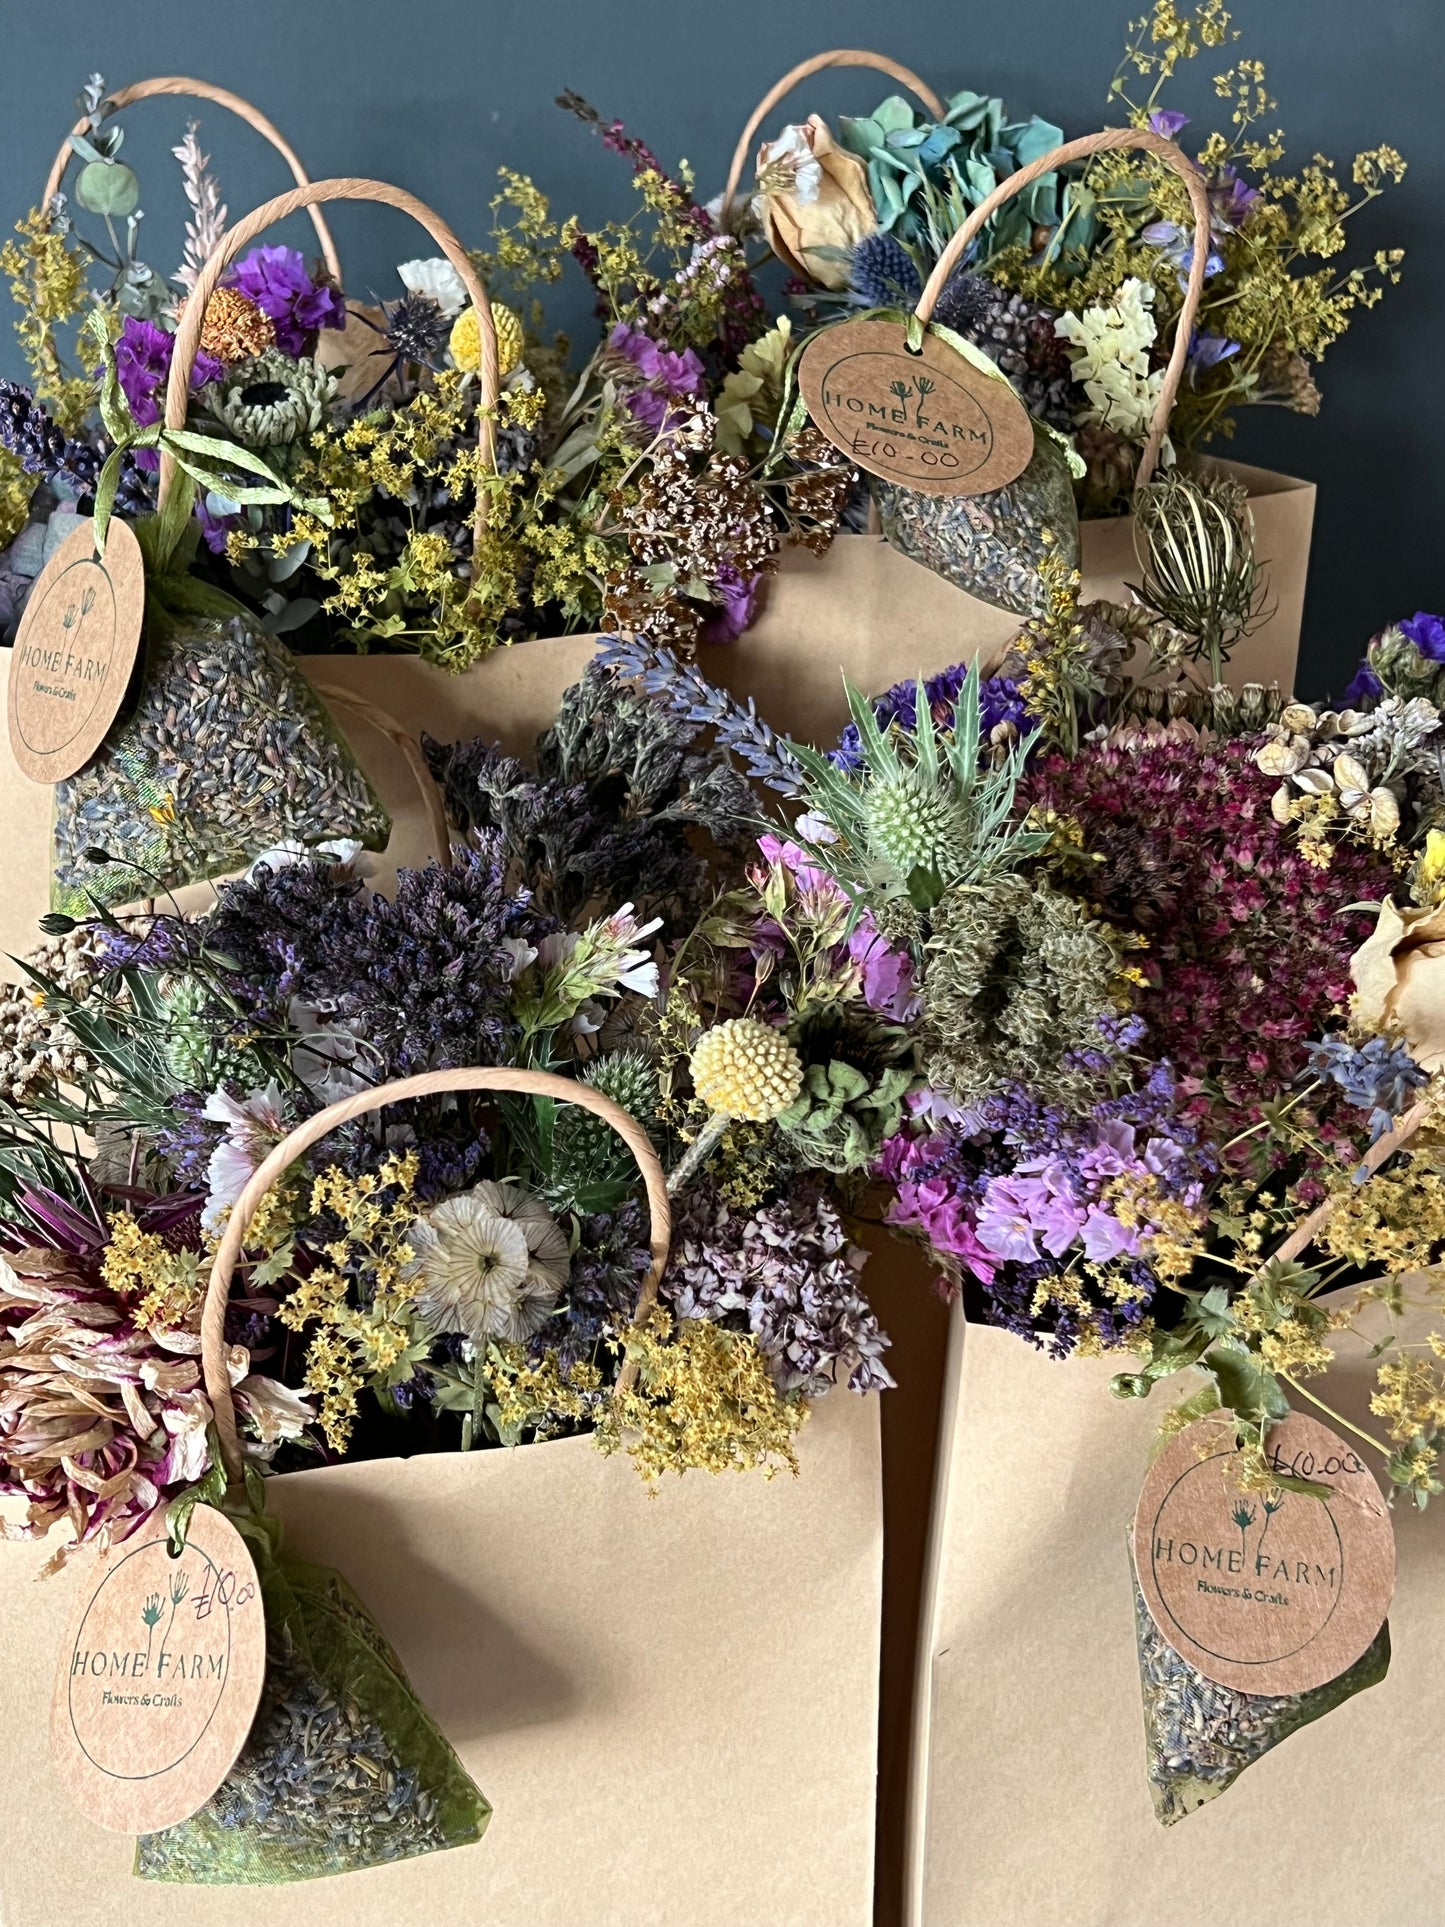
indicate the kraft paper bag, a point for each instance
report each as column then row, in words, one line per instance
column 1029, row 1804
column 670, row 1701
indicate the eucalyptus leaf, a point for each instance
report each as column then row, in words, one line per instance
column 294, row 616
column 108, row 188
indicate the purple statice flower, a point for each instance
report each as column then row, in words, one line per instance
column 1379, row 1077
column 276, row 279
column 887, row 978
column 1427, row 632
column 1000, row 701
column 736, row 605
column 1169, row 122
column 787, row 1273
column 143, row 353
column 1020, row 1192
column 661, row 379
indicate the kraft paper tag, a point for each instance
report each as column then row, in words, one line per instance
column 931, row 420
column 160, row 1675
column 1265, row 1591
column 74, row 651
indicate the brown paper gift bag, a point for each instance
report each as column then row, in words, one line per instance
column 639, row 1683
column 1028, row 1796
column 861, row 580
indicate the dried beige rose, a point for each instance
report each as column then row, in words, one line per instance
column 1399, row 975
column 813, row 202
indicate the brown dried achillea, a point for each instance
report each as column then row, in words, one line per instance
column 235, row 328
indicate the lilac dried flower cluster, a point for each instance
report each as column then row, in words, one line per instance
column 787, row 1273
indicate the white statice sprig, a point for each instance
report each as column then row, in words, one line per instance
column 1109, row 349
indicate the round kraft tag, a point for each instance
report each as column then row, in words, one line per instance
column 1266, row 1591
column 160, row 1675
column 931, row 420
column 74, row 651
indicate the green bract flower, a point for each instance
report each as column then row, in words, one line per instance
column 271, row 400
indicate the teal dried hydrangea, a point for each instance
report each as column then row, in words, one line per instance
column 1018, row 977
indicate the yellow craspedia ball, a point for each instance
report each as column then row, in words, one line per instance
column 466, row 339
column 745, row 1069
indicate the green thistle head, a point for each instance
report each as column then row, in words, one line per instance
column 919, row 815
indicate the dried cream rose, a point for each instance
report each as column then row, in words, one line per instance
column 1399, row 975
column 813, row 195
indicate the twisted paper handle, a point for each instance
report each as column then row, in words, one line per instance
column 202, row 90
column 564, row 1090
column 188, row 334
column 1109, row 141
column 839, row 57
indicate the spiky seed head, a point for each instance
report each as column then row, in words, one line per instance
column 912, row 824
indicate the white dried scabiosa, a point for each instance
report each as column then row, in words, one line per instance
column 490, row 1263
column 271, row 399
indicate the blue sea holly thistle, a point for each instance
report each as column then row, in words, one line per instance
column 917, row 815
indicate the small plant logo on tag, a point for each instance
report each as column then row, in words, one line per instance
column 74, row 652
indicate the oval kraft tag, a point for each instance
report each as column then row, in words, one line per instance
column 160, row 1675
column 74, row 651
column 1265, row 1591
column 931, row 420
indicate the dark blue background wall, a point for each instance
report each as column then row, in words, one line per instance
column 436, row 94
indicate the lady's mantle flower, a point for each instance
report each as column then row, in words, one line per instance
column 277, row 281
column 490, row 1264
column 746, row 1069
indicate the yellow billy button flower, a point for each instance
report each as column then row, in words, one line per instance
column 466, row 340
column 746, row 1069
